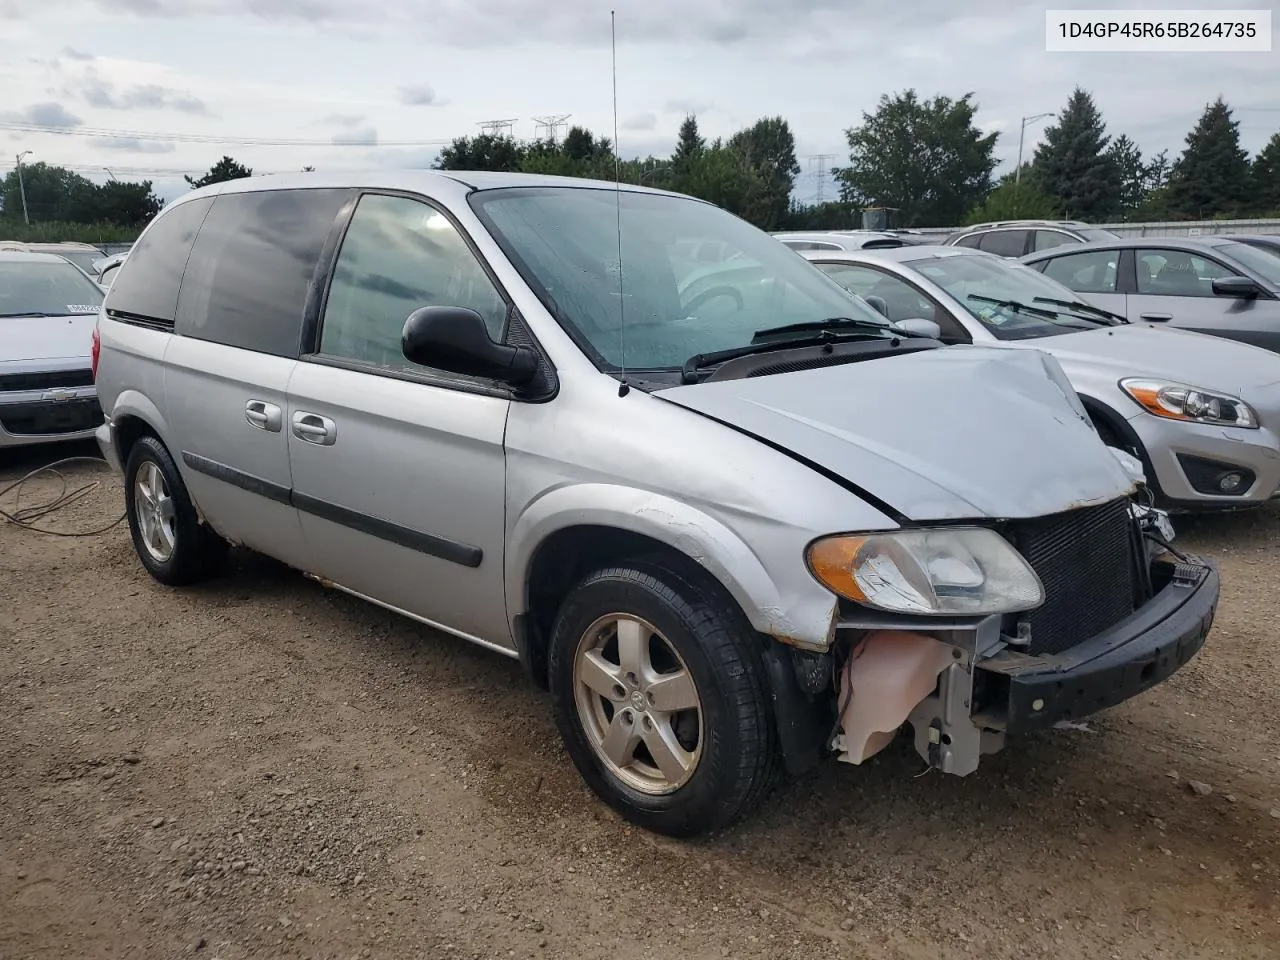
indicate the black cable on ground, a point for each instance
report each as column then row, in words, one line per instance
column 25, row 517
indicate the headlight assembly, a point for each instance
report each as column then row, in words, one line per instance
column 1179, row 401
column 934, row 571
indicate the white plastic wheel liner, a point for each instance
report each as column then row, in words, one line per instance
column 887, row 674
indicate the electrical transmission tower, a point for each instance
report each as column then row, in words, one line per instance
column 551, row 126
column 497, row 128
column 820, row 162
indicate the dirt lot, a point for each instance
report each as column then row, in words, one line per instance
column 260, row 768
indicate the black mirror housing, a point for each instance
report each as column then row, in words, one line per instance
column 1243, row 287
column 456, row 339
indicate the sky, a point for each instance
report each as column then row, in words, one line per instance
column 153, row 89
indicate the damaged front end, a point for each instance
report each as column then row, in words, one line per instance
column 1118, row 610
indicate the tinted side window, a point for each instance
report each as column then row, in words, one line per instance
column 1052, row 238
column 1176, row 273
column 969, row 240
column 252, row 265
column 400, row 255
column 1004, row 243
column 146, row 285
column 1086, row 272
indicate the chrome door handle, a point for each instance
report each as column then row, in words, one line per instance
column 1156, row 317
column 263, row 415
column 314, row 428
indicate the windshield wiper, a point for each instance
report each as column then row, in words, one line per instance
column 811, row 325
column 1016, row 305
column 689, row 372
column 36, row 313
column 1087, row 307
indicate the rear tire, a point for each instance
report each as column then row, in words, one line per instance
column 660, row 697
column 173, row 544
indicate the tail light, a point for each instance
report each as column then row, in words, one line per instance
column 94, row 351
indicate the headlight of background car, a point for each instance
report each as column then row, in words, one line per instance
column 943, row 570
column 1179, row 401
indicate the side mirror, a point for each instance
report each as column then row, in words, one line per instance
column 920, row 327
column 878, row 305
column 1243, row 287
column 456, row 339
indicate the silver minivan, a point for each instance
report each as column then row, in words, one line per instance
column 733, row 524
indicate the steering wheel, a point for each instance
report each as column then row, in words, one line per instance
column 731, row 292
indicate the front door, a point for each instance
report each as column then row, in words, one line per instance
column 1176, row 287
column 399, row 470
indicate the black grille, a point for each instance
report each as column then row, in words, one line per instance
column 47, row 380
column 50, row 417
column 1085, row 558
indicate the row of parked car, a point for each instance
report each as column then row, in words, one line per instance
column 1199, row 411
column 738, row 510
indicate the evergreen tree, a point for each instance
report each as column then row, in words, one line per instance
column 1073, row 164
column 689, row 145
column 1266, row 179
column 1211, row 178
column 1133, row 173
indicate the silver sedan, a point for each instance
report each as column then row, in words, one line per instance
column 1202, row 413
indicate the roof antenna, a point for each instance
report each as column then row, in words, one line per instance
column 623, row 387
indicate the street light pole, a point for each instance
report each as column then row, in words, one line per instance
column 1017, row 171
column 22, row 187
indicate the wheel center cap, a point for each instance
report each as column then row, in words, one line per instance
column 638, row 701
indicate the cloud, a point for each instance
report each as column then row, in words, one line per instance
column 71, row 53
column 48, row 114
column 419, row 95
column 641, row 121
column 105, row 95
column 367, row 136
column 688, row 106
column 133, row 145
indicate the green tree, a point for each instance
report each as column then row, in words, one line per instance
column 1073, row 164
column 1211, row 178
column 1009, row 201
column 721, row 176
column 126, row 204
column 224, row 169
column 690, row 145
column 924, row 157
column 486, row 151
column 53, row 193
column 1266, row 178
column 768, row 147
column 830, row 215
column 1127, row 158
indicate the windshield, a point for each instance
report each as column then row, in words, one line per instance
column 976, row 280
column 1264, row 264
column 45, row 288
column 1097, row 234
column 677, row 302
column 84, row 260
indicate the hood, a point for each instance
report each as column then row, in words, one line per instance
column 949, row 434
column 46, row 338
column 1153, row 350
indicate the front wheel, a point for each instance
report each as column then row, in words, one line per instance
column 659, row 695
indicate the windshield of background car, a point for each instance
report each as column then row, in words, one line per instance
column 976, row 280
column 42, row 287
column 82, row 260
column 1264, row 264
column 694, row 278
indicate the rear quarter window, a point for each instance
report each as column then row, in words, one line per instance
column 252, row 266
column 1005, row 243
column 145, row 287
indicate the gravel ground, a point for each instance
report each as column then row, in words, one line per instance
column 260, row 768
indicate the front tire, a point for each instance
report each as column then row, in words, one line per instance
column 172, row 543
column 660, row 697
